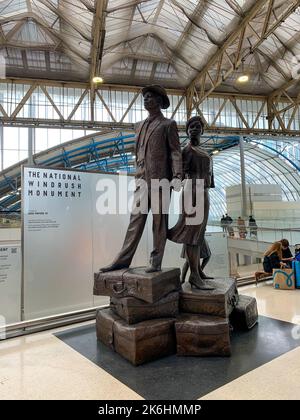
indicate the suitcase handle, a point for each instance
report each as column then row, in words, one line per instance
column 119, row 292
column 233, row 300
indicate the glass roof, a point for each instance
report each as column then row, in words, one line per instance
column 156, row 41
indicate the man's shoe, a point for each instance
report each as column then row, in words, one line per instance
column 113, row 267
column 153, row 269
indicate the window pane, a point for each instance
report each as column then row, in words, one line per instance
column 11, row 138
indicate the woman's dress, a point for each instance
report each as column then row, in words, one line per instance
column 197, row 164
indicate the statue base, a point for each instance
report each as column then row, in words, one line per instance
column 143, row 322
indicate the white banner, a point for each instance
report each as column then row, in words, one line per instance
column 10, row 283
column 57, row 241
column 66, row 240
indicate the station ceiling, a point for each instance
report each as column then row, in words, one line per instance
column 174, row 43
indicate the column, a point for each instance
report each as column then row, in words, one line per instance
column 31, row 139
column 1, row 147
column 243, row 179
column 31, row 132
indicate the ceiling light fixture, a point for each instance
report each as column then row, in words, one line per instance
column 97, row 79
column 243, row 79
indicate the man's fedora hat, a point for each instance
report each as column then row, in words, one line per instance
column 159, row 90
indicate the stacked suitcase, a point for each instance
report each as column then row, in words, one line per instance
column 139, row 325
column 151, row 316
column 203, row 327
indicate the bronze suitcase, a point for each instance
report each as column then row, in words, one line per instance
column 105, row 319
column 245, row 314
column 145, row 341
column 218, row 302
column 139, row 343
column 134, row 282
column 134, row 310
column 202, row 335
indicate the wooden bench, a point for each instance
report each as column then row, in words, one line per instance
column 262, row 275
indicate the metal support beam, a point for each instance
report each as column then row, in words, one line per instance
column 221, row 65
column 31, row 133
column 200, row 8
column 235, row 7
column 98, row 36
column 243, row 178
column 1, row 146
column 31, row 141
column 130, row 106
column 88, row 6
column 51, row 102
column 84, row 93
column 14, row 30
column 24, row 59
column 23, row 101
column 72, row 22
column 262, row 107
column 55, row 35
column 106, row 106
column 47, row 61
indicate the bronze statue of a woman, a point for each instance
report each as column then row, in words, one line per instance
column 197, row 164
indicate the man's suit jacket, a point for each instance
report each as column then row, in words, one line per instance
column 162, row 152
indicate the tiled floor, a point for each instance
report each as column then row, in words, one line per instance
column 41, row 366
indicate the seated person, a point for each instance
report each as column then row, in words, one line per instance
column 273, row 258
column 287, row 256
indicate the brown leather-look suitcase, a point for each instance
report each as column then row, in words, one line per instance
column 245, row 314
column 202, row 335
column 105, row 319
column 138, row 343
column 135, row 282
column 134, row 310
column 145, row 341
column 218, row 302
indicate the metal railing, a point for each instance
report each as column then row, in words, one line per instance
column 49, row 322
column 247, row 245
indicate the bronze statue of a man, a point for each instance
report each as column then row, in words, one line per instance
column 158, row 156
